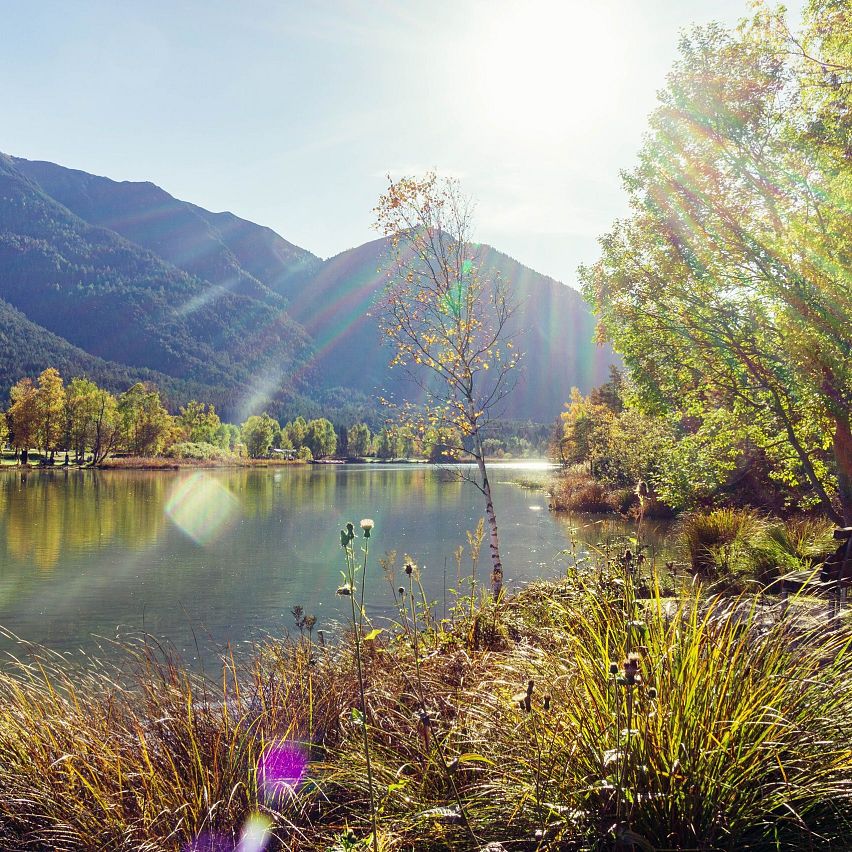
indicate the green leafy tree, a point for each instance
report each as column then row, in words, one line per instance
column 359, row 440
column 257, row 433
column 296, row 432
column 321, row 438
column 147, row 428
column 729, row 284
column 82, row 409
column 199, row 422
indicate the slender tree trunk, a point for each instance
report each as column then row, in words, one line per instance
column 804, row 458
column 491, row 517
column 843, row 457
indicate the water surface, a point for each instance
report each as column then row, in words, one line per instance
column 209, row 557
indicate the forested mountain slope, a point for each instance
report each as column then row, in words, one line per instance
column 123, row 279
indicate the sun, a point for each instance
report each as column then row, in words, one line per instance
column 544, row 67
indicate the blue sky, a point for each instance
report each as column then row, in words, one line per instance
column 291, row 113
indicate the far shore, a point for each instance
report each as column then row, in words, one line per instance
column 165, row 463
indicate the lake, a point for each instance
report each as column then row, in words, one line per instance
column 202, row 558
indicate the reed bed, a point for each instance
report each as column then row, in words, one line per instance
column 571, row 715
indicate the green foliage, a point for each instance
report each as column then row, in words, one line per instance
column 146, row 425
column 799, row 543
column 725, row 288
column 257, row 433
column 359, row 440
column 320, row 438
column 723, row 543
column 199, row 422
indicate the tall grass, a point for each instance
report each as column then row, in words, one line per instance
column 732, row 734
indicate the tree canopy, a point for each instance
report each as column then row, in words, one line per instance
column 729, row 285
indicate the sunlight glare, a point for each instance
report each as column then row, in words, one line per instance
column 202, row 508
column 545, row 67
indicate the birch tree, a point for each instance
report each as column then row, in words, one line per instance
column 448, row 322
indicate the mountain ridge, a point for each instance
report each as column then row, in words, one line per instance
column 127, row 273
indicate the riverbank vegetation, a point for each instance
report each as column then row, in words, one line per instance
column 727, row 288
column 577, row 713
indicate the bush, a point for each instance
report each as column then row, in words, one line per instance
column 577, row 491
column 197, row 452
column 305, row 454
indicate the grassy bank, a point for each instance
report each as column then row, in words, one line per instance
column 571, row 716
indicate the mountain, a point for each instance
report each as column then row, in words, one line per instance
column 220, row 248
column 122, row 302
column 122, row 281
column 553, row 324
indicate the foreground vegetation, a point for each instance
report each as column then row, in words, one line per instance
column 592, row 711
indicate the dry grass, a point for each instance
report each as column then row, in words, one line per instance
column 577, row 491
column 738, row 733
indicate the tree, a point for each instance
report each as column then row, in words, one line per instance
column 257, row 433
column 4, row 431
column 146, row 426
column 321, row 438
column 359, row 440
column 50, row 404
column 107, row 425
column 447, row 321
column 199, row 422
column 729, row 285
column 82, row 408
column 23, row 416
column 296, row 432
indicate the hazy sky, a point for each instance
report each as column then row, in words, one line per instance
column 291, row 113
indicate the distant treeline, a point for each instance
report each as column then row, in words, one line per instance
column 90, row 423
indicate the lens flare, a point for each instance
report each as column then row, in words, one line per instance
column 280, row 769
column 202, row 508
column 255, row 834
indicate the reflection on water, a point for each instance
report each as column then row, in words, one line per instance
column 222, row 556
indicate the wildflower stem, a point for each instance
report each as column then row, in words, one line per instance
column 357, row 636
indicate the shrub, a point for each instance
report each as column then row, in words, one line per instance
column 577, row 491
column 799, row 543
column 197, row 451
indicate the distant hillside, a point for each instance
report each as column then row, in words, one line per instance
column 121, row 302
column 120, row 280
column 26, row 349
column 217, row 247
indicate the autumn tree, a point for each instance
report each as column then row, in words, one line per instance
column 729, row 285
column 447, row 320
column 107, row 425
column 50, row 406
column 23, row 416
column 146, row 426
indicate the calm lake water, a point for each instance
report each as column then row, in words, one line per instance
column 223, row 555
